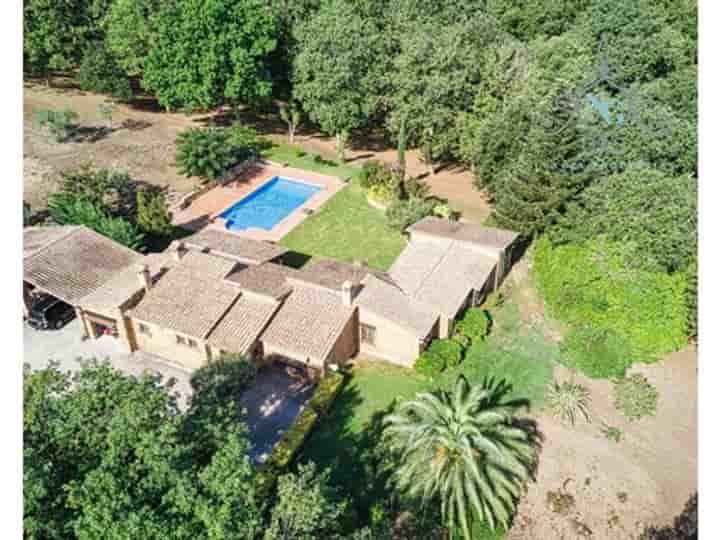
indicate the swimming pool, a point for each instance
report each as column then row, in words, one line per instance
column 268, row 205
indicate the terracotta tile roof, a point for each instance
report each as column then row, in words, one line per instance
column 234, row 246
column 465, row 232
column 238, row 330
column 268, row 279
column 441, row 275
column 382, row 297
column 72, row 264
column 125, row 284
column 191, row 297
column 308, row 324
column 331, row 274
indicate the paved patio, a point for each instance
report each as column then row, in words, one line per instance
column 203, row 211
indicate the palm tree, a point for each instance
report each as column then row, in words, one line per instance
column 465, row 448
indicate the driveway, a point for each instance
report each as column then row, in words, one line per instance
column 271, row 403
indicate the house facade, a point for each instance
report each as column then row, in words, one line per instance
column 217, row 292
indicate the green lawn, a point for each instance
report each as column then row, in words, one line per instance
column 346, row 227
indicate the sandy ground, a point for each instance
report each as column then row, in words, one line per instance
column 617, row 489
column 146, row 149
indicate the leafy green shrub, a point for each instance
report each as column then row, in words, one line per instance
column 443, row 210
column 448, row 349
column 204, row 152
column 402, row 214
column 100, row 73
column 60, row 124
column 595, row 284
column 599, row 354
column 475, row 324
column 153, row 216
column 326, row 391
column 244, row 141
column 568, row 400
column 416, row 188
column 635, row 397
column 72, row 209
column 381, row 193
column 112, row 190
column 374, row 173
column 430, row 365
column 105, row 111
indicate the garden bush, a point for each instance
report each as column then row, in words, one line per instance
column 374, row 173
column 244, row 141
column 59, row 124
column 326, row 391
column 430, row 365
column 401, row 214
column 100, row 73
column 204, row 152
column 441, row 354
column 598, row 353
column 111, row 189
column 153, row 216
column 595, row 284
column 475, row 324
column 72, row 209
column 635, row 397
column 416, row 189
column 381, row 193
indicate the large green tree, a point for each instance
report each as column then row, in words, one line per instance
column 463, row 449
column 335, row 68
column 129, row 33
column 111, row 456
column 205, row 53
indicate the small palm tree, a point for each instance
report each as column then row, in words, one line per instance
column 465, row 448
column 568, row 400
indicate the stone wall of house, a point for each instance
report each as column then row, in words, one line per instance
column 163, row 342
column 392, row 342
column 347, row 344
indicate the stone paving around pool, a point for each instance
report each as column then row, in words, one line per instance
column 204, row 211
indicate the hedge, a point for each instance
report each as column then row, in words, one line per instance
column 293, row 439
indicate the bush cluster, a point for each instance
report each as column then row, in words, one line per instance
column 475, row 324
column 326, row 391
column 59, row 124
column 441, row 354
column 374, row 173
column 594, row 284
column 403, row 213
column 598, row 353
column 635, row 397
column 153, row 216
column 381, row 193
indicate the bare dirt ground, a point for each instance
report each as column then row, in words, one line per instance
column 613, row 490
column 144, row 147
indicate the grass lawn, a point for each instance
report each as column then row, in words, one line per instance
column 346, row 227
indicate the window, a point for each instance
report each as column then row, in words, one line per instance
column 192, row 343
column 144, row 329
column 367, row 334
column 180, row 340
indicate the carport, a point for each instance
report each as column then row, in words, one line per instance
column 70, row 262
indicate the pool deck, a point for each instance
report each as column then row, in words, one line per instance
column 204, row 211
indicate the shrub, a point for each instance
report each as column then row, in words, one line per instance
column 72, row 209
column 153, row 216
column 416, row 188
column 402, row 214
column 326, row 391
column 100, row 73
column 112, row 190
column 595, row 284
column 374, row 173
column 244, row 141
column 635, row 397
column 381, row 193
column 105, row 111
column 475, row 324
column 204, row 152
column 60, row 124
column 567, row 400
column 443, row 210
column 430, row 365
column 448, row 349
column 599, row 354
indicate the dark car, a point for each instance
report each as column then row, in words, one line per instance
column 48, row 312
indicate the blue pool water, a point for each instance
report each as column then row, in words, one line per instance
column 268, row 205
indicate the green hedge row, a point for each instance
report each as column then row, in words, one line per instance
column 293, row 439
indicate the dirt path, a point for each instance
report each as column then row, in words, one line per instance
column 145, row 147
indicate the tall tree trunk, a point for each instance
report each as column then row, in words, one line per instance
column 402, row 143
column 291, row 132
column 340, row 138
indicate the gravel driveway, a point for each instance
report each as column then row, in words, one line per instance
column 271, row 404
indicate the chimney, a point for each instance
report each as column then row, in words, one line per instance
column 144, row 276
column 179, row 251
column 348, row 291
